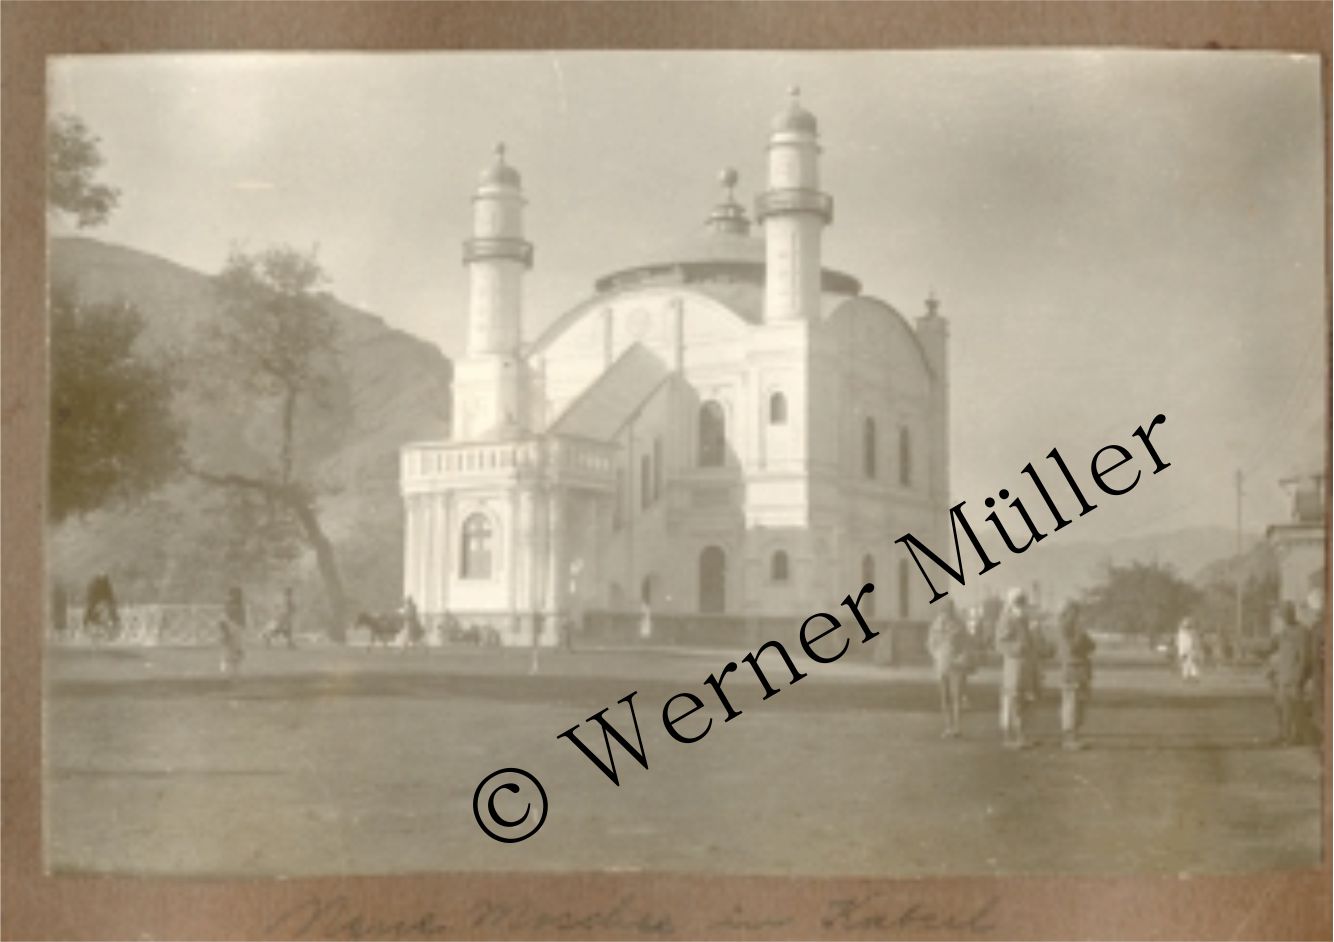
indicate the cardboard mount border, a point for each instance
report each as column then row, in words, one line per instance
column 1269, row 905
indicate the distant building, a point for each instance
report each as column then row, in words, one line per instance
column 728, row 430
column 1299, row 542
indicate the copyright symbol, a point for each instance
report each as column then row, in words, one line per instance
column 515, row 820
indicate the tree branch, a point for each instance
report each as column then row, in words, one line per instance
column 232, row 479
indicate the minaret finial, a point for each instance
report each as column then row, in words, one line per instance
column 794, row 91
column 728, row 216
column 728, row 178
column 500, row 151
column 932, row 303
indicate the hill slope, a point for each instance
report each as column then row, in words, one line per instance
column 177, row 545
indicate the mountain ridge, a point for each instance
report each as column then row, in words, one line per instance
column 168, row 546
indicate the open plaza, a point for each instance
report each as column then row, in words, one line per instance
column 341, row 760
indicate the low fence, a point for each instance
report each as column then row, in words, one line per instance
column 167, row 625
column 191, row 625
column 900, row 641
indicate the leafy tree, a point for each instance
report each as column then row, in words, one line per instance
column 1216, row 608
column 277, row 346
column 72, row 160
column 1139, row 598
column 113, row 432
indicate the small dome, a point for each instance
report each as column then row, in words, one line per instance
column 729, row 215
column 499, row 173
column 794, row 117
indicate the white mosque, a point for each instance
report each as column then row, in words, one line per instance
column 727, row 434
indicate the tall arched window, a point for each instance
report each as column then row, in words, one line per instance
column 712, row 435
column 905, row 456
column 868, row 447
column 657, row 467
column 646, row 589
column 778, row 409
column 475, row 548
column 904, row 585
column 712, row 580
column 618, row 501
column 778, row 566
column 868, row 575
column 645, row 481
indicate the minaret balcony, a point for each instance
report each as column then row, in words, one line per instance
column 481, row 249
column 794, row 200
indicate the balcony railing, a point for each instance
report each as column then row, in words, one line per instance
column 520, row 250
column 538, row 456
column 795, row 200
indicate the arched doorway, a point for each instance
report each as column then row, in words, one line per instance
column 712, row 580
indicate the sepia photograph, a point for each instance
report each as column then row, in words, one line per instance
column 730, row 463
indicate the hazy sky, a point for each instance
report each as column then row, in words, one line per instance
column 1112, row 234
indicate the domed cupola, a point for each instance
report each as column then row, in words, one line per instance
column 729, row 216
column 794, row 118
column 499, row 173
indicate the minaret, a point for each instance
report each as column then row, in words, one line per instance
column 487, row 383
column 793, row 212
column 933, row 331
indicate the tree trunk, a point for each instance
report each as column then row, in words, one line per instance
column 328, row 566
column 289, row 417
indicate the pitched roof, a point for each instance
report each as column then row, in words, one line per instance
column 601, row 410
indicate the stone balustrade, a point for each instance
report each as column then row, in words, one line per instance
column 427, row 465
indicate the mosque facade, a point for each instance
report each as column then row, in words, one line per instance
column 728, row 431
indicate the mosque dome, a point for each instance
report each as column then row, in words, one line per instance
column 710, row 255
column 794, row 117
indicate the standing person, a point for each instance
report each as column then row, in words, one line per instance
column 947, row 642
column 412, row 621
column 1074, row 648
column 230, row 628
column 100, row 608
column 1188, row 650
column 1037, row 651
column 286, row 625
column 645, row 620
column 1290, row 664
column 1014, row 641
column 973, row 639
column 1315, row 629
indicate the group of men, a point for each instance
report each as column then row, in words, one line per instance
column 1293, row 655
column 1295, row 662
column 954, row 649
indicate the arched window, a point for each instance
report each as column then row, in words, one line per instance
column 646, row 590
column 712, row 435
column 868, row 447
column 904, row 585
column 618, row 501
column 712, row 580
column 778, row 567
column 778, row 409
column 905, row 456
column 868, row 575
column 645, row 482
column 475, row 548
